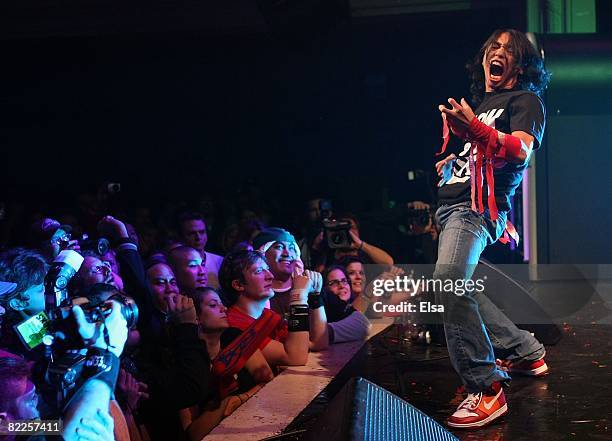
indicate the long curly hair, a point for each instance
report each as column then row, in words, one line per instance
column 534, row 76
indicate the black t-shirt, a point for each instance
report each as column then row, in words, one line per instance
column 280, row 302
column 507, row 111
column 335, row 308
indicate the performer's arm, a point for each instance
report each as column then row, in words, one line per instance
column 515, row 147
column 525, row 149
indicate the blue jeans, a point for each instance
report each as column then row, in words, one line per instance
column 476, row 330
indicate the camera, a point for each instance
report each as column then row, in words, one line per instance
column 99, row 246
column 63, row 268
column 96, row 312
column 63, row 340
column 337, row 234
column 113, row 187
column 418, row 217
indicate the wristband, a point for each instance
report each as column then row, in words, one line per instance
column 103, row 366
column 502, row 145
column 315, row 301
column 511, row 147
column 125, row 241
column 298, row 318
column 296, row 297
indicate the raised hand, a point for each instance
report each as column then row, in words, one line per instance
column 112, row 228
column 301, row 286
column 181, row 309
column 459, row 116
column 445, row 169
column 316, row 280
column 93, row 333
column 356, row 242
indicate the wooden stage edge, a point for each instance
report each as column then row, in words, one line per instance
column 278, row 403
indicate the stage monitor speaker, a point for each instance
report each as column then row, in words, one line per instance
column 363, row 411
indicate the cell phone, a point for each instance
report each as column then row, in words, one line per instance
column 31, row 331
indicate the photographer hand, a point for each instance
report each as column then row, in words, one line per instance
column 181, row 309
column 356, row 242
column 316, row 243
column 99, row 428
column 112, row 228
column 93, row 333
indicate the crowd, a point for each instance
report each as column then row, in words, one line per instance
column 170, row 338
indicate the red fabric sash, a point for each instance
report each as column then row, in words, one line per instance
column 233, row 358
column 485, row 154
column 445, row 135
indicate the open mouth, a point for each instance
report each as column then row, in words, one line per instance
column 496, row 69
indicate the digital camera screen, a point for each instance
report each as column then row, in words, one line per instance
column 32, row 330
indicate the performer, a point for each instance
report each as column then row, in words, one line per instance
column 508, row 77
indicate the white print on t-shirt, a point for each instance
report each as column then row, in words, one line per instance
column 461, row 168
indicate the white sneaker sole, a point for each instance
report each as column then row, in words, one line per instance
column 541, row 371
column 497, row 414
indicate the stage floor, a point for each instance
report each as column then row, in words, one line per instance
column 572, row 402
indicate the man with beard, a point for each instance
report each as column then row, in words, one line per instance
column 508, row 76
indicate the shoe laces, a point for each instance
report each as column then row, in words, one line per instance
column 471, row 402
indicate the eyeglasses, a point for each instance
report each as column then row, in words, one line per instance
column 101, row 269
column 338, row 282
column 63, row 239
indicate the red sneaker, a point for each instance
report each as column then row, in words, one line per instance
column 536, row 368
column 480, row 409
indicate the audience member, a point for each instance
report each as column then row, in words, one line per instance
column 247, row 286
column 345, row 322
column 173, row 361
column 189, row 266
column 192, row 230
column 27, row 270
column 367, row 252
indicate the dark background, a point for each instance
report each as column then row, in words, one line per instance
column 257, row 105
column 345, row 108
